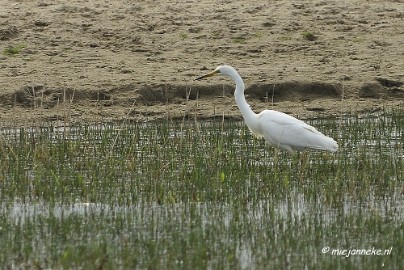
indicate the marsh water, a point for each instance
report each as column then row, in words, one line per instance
column 200, row 195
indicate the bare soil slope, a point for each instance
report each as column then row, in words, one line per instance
column 78, row 60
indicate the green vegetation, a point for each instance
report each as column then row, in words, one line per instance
column 183, row 36
column 217, row 33
column 13, row 50
column 258, row 35
column 240, row 40
column 202, row 195
column 309, row 36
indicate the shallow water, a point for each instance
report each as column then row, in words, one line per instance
column 285, row 233
column 182, row 196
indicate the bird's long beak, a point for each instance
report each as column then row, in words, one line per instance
column 207, row 75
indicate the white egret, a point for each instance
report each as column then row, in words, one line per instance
column 279, row 129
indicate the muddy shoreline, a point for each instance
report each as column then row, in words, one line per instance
column 85, row 61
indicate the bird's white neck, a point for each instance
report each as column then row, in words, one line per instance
column 245, row 109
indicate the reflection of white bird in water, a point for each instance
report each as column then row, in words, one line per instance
column 279, row 129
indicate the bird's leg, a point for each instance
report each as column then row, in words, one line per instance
column 275, row 160
column 304, row 160
column 276, row 155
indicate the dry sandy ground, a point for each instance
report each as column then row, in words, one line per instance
column 137, row 60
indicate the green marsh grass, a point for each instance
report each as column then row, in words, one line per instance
column 198, row 195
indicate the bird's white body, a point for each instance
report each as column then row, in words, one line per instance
column 288, row 133
column 279, row 129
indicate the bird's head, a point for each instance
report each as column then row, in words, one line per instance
column 225, row 70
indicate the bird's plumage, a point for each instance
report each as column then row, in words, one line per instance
column 289, row 133
column 279, row 129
